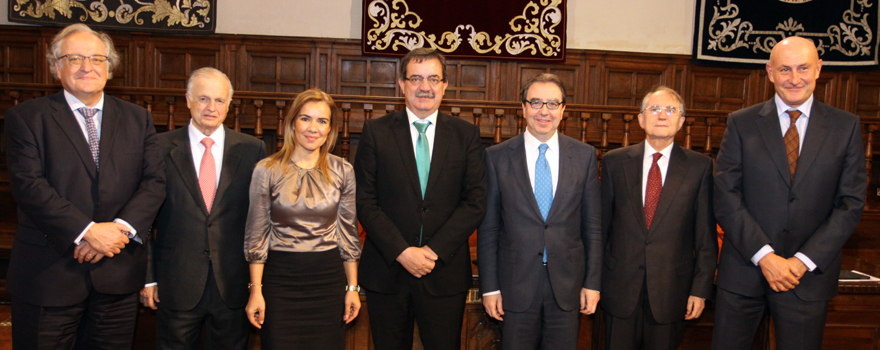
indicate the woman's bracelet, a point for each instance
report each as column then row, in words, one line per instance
column 251, row 285
column 352, row 288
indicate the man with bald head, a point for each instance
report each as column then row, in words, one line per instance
column 198, row 275
column 789, row 190
column 88, row 179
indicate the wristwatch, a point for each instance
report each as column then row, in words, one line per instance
column 352, row 288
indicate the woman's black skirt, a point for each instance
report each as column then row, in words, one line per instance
column 305, row 301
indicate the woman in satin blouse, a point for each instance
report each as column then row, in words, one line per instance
column 301, row 240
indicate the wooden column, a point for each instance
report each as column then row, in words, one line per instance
column 627, row 120
column 519, row 122
column 562, row 123
column 585, row 120
column 869, row 156
column 170, row 101
column 499, row 118
column 368, row 111
column 707, row 147
column 236, row 114
column 478, row 112
column 346, row 136
column 279, row 131
column 258, row 120
column 688, row 124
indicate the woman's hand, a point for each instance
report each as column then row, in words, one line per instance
column 352, row 306
column 256, row 308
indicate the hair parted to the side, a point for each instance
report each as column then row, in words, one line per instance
column 283, row 157
column 543, row 78
column 661, row 88
column 55, row 47
column 420, row 55
column 207, row 72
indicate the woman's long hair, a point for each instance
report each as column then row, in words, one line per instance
column 284, row 156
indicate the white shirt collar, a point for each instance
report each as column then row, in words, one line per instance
column 411, row 117
column 532, row 143
column 75, row 103
column 196, row 136
column 649, row 151
column 805, row 108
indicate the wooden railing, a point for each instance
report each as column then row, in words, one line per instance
column 259, row 114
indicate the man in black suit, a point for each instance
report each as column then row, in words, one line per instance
column 421, row 192
column 660, row 237
column 540, row 245
column 88, row 179
column 789, row 190
column 197, row 256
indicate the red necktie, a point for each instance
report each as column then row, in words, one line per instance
column 652, row 193
column 792, row 142
column 208, row 174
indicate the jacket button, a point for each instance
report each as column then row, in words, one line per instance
column 641, row 267
column 210, row 224
column 207, row 251
column 424, row 210
column 546, row 226
column 791, row 200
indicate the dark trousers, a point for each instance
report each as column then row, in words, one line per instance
column 544, row 323
column 102, row 321
column 798, row 324
column 225, row 328
column 641, row 329
column 439, row 318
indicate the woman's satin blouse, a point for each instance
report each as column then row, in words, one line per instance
column 298, row 211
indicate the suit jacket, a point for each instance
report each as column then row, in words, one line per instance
column 676, row 257
column 188, row 239
column 757, row 203
column 59, row 192
column 511, row 239
column 392, row 212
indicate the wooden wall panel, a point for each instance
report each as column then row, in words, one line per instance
column 174, row 64
column 626, row 82
column 373, row 76
column 469, row 80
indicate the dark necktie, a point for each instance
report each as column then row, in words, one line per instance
column 792, row 142
column 652, row 191
column 94, row 141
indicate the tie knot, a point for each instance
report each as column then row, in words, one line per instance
column 421, row 127
column 87, row 112
column 794, row 114
column 208, row 142
column 657, row 156
column 543, row 148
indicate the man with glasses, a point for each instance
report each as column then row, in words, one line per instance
column 421, row 192
column 540, row 245
column 88, row 178
column 659, row 230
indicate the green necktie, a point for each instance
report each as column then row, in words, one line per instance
column 423, row 155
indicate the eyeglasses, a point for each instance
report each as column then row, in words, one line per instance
column 656, row 110
column 77, row 60
column 418, row 79
column 551, row 105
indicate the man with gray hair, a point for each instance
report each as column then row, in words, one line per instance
column 196, row 256
column 88, row 179
column 659, row 230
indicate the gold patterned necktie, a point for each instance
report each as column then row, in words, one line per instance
column 792, row 142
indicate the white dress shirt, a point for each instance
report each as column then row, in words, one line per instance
column 198, row 149
column 648, row 161
column 74, row 104
column 429, row 132
column 801, row 124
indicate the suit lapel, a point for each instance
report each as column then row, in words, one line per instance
column 768, row 125
column 817, row 130
column 442, row 134
column 632, row 174
column 109, row 121
column 182, row 158
column 68, row 124
column 521, row 173
column 400, row 129
column 676, row 172
column 231, row 160
column 566, row 174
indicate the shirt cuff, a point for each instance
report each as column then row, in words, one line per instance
column 810, row 264
column 761, row 254
column 79, row 238
column 151, row 284
column 492, row 293
column 132, row 233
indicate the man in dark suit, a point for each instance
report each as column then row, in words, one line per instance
column 88, row 179
column 660, row 235
column 197, row 256
column 540, row 245
column 789, row 190
column 421, row 192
